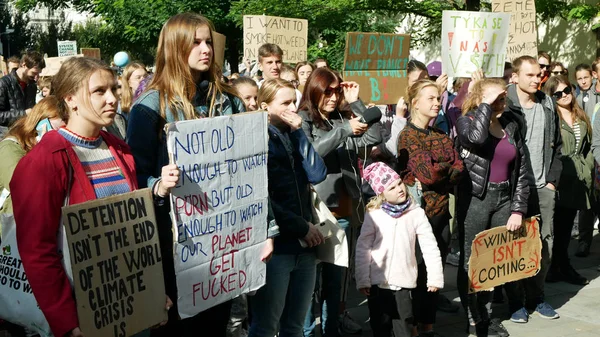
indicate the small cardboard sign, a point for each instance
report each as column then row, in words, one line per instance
column 219, row 48
column 474, row 40
column 290, row 34
column 67, row 48
column 90, row 52
column 499, row 256
column 3, row 66
column 117, row 264
column 53, row 65
column 219, row 208
column 522, row 36
column 377, row 62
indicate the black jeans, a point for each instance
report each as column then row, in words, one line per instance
column 476, row 215
column 564, row 219
column 390, row 312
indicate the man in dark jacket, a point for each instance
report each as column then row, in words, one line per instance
column 18, row 90
column 538, row 123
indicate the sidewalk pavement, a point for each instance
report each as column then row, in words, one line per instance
column 578, row 306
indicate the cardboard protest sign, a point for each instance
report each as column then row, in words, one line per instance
column 499, row 256
column 522, row 36
column 117, row 264
column 3, row 68
column 377, row 62
column 90, row 52
column 67, row 48
column 219, row 209
column 219, row 48
column 53, row 65
column 290, row 34
column 474, row 40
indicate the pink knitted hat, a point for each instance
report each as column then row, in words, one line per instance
column 380, row 176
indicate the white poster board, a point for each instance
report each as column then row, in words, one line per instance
column 67, row 48
column 474, row 40
column 219, row 209
column 290, row 34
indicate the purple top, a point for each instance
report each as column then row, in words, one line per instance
column 501, row 166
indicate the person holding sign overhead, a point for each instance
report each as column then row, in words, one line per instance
column 427, row 154
column 333, row 119
column 75, row 164
column 495, row 191
column 186, row 85
column 280, row 305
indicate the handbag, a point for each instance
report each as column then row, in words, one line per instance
column 322, row 217
column 335, row 248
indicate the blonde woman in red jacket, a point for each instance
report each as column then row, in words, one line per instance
column 78, row 163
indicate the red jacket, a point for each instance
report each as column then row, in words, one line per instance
column 39, row 188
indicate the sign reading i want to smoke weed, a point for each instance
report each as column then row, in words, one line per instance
column 377, row 62
column 219, row 208
column 116, row 263
column 474, row 40
column 499, row 256
column 289, row 34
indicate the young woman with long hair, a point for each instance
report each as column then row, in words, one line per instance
column 427, row 154
column 495, row 190
column 132, row 75
column 331, row 113
column 575, row 187
column 186, row 85
column 77, row 163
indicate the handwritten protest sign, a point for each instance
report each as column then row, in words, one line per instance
column 116, row 263
column 67, row 48
column 288, row 33
column 90, row 52
column 377, row 62
column 219, row 208
column 499, row 256
column 219, row 48
column 522, row 36
column 53, row 65
column 473, row 40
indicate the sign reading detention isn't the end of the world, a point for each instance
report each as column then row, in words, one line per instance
column 219, row 208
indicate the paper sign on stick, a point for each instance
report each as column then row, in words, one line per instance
column 377, row 62
column 90, row 52
column 219, row 209
column 522, row 36
column 289, row 34
column 117, row 264
column 53, row 65
column 499, row 256
column 474, row 40
column 67, row 48
column 219, row 48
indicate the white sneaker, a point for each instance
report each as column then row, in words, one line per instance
column 348, row 325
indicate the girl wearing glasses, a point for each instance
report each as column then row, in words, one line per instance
column 495, row 191
column 557, row 68
column 331, row 113
column 574, row 190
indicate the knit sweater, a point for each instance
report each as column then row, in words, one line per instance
column 99, row 164
column 429, row 156
column 385, row 250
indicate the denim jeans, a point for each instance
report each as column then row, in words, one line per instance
column 329, row 285
column 282, row 302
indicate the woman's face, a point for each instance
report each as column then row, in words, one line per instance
column 136, row 77
column 330, row 98
column 95, row 106
column 558, row 70
column 248, row 93
column 500, row 102
column 290, row 77
column 416, row 75
column 45, row 91
column 395, row 193
column 563, row 99
column 200, row 57
column 284, row 101
column 427, row 104
column 303, row 73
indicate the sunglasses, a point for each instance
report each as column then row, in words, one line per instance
column 544, row 66
column 330, row 91
column 559, row 72
column 559, row 94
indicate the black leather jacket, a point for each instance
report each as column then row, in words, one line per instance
column 293, row 166
column 475, row 147
column 13, row 100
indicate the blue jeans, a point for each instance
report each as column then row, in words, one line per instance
column 329, row 281
column 285, row 297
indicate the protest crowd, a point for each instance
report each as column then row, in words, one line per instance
column 361, row 189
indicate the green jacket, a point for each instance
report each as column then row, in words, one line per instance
column 575, row 187
column 10, row 152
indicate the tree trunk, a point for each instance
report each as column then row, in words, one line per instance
column 233, row 52
column 597, row 42
column 473, row 5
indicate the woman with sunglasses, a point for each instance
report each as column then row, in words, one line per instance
column 575, row 187
column 331, row 112
column 557, row 68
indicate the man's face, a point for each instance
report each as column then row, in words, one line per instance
column 32, row 74
column 544, row 65
column 584, row 79
column 528, row 78
column 271, row 66
column 12, row 65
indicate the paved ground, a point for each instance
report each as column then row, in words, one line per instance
column 579, row 307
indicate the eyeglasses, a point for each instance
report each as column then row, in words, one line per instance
column 559, row 94
column 559, row 72
column 544, row 66
column 330, row 91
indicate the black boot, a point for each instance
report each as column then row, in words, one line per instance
column 482, row 329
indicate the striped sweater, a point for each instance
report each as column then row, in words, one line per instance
column 99, row 164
